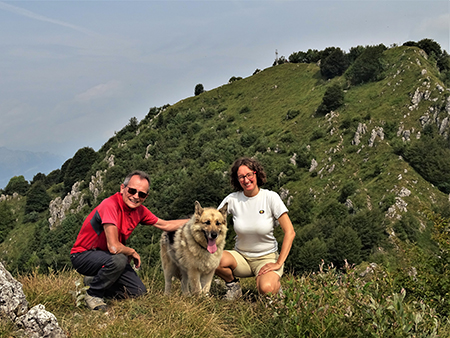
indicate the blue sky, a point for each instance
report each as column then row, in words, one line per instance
column 74, row 72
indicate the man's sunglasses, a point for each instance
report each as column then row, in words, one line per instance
column 133, row 192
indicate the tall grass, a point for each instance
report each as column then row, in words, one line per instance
column 329, row 303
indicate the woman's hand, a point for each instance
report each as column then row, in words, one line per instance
column 269, row 267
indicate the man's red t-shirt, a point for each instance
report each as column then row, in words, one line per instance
column 112, row 210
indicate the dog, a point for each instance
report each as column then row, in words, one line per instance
column 193, row 252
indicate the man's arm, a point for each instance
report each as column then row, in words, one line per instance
column 170, row 225
column 115, row 247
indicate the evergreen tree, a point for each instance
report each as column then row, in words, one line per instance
column 17, row 184
column 78, row 167
column 37, row 198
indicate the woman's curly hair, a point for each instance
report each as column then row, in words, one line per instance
column 253, row 165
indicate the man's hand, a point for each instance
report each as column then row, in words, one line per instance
column 136, row 259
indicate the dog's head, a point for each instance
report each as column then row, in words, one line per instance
column 210, row 227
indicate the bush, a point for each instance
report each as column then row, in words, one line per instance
column 244, row 110
column 198, row 89
column 332, row 99
column 334, row 64
column 7, row 221
column 339, row 303
column 368, row 67
column 37, row 198
column 17, row 184
column 430, row 157
column 348, row 189
column 292, row 114
column 234, row 79
column 78, row 167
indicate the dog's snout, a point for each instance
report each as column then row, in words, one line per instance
column 213, row 235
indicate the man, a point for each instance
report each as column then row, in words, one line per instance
column 100, row 252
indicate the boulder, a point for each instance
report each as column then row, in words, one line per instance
column 34, row 323
column 38, row 323
column 12, row 299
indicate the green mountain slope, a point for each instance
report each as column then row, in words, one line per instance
column 343, row 175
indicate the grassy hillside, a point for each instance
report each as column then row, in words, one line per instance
column 367, row 200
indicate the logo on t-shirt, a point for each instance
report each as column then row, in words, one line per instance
column 261, row 212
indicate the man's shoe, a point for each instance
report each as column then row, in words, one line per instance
column 234, row 290
column 95, row 303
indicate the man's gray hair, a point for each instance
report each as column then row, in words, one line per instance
column 141, row 174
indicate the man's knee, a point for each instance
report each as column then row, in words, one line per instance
column 119, row 262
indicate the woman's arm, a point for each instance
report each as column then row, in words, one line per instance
column 289, row 235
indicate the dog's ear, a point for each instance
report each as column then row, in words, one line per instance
column 198, row 208
column 224, row 210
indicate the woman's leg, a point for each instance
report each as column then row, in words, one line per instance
column 268, row 283
column 226, row 266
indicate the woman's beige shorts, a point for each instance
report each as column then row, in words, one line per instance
column 250, row 266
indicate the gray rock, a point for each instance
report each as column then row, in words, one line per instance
column 38, row 323
column 35, row 323
column 12, row 299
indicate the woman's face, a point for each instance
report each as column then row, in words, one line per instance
column 248, row 180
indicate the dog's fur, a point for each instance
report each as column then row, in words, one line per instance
column 192, row 253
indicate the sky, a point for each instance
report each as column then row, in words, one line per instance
column 74, row 72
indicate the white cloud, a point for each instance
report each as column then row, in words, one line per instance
column 35, row 16
column 101, row 91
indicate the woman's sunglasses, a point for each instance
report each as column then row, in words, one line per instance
column 133, row 192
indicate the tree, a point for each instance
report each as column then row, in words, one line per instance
column 369, row 224
column 17, row 184
column 344, row 244
column 7, row 221
column 37, row 198
column 431, row 159
column 354, row 53
column 332, row 99
column 368, row 66
column 307, row 256
column 431, row 47
column 79, row 167
column 198, row 89
column 334, row 64
column 297, row 57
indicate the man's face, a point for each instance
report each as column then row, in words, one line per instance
column 138, row 186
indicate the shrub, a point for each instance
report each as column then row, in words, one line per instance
column 334, row 64
column 7, row 220
column 292, row 114
column 348, row 189
column 317, row 134
column 368, row 66
column 17, row 184
column 37, row 198
column 78, row 167
column 199, row 89
column 244, row 110
column 431, row 159
column 332, row 99
column 234, row 79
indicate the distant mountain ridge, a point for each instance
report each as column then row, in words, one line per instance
column 26, row 163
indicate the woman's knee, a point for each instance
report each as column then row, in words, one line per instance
column 268, row 284
column 227, row 261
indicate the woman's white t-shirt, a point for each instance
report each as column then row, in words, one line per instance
column 254, row 221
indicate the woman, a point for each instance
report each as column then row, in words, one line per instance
column 254, row 211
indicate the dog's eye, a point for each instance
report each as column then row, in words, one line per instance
column 208, row 222
column 217, row 223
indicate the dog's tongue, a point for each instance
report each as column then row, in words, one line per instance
column 212, row 245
